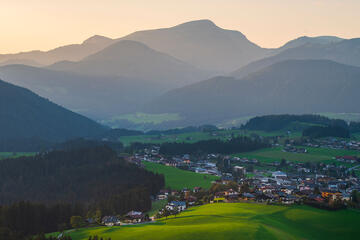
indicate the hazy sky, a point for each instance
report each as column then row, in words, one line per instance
column 45, row 24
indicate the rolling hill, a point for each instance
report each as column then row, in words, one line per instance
column 227, row 221
column 24, row 114
column 346, row 52
column 73, row 52
column 135, row 60
column 293, row 86
column 202, row 44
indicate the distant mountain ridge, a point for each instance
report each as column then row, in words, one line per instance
column 25, row 115
column 202, row 44
column 160, row 71
column 345, row 51
column 293, row 86
column 98, row 97
column 72, row 52
column 133, row 59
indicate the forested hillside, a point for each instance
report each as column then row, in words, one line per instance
column 93, row 175
column 24, row 114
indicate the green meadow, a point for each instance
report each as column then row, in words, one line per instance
column 140, row 119
column 4, row 155
column 158, row 139
column 156, row 206
column 178, row 179
column 199, row 136
column 313, row 155
column 230, row 221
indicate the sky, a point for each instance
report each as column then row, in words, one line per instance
column 45, row 24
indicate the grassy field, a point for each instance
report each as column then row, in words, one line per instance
column 4, row 155
column 228, row 221
column 142, row 118
column 178, row 179
column 184, row 137
column 313, row 155
column 156, row 206
column 199, row 136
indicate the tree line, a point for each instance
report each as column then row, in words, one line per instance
column 63, row 183
column 290, row 122
column 234, row 145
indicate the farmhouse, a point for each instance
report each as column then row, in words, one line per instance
column 176, row 205
column 110, row 221
column 134, row 217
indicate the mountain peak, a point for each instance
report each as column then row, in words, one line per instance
column 96, row 39
column 199, row 24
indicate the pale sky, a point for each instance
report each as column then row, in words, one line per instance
column 46, row 24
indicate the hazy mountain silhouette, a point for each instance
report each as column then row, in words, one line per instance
column 293, row 86
column 306, row 40
column 24, row 114
column 346, row 52
column 135, row 60
column 73, row 52
column 98, row 97
column 202, row 44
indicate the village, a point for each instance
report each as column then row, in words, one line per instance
column 321, row 185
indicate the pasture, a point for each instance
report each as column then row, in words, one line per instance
column 313, row 155
column 227, row 221
column 199, row 136
column 178, row 179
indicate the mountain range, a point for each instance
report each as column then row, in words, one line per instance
column 196, row 69
column 98, row 97
column 135, row 60
column 73, row 52
column 342, row 51
column 292, row 86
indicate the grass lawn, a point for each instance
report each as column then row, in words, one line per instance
column 156, row 206
column 313, row 155
column 228, row 221
column 178, row 179
column 4, row 155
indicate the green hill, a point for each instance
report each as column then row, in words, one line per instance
column 239, row 221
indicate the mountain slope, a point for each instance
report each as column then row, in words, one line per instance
column 202, row 44
column 93, row 96
column 73, row 52
column 346, row 52
column 294, row 86
column 24, row 114
column 135, row 60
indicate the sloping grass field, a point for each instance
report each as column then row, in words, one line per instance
column 178, row 179
column 4, row 155
column 228, row 221
column 313, row 155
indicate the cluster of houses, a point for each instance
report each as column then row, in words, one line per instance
column 295, row 183
column 131, row 217
column 334, row 143
column 202, row 165
column 292, row 149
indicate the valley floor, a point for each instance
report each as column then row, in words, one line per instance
column 225, row 221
